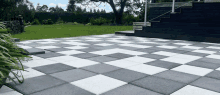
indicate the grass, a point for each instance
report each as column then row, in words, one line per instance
column 35, row 32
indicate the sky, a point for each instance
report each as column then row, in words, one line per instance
column 63, row 4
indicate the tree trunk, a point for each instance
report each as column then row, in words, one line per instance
column 118, row 18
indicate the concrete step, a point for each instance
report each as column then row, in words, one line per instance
column 126, row 33
column 16, row 39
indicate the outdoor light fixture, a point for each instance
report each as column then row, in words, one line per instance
column 173, row 6
column 145, row 17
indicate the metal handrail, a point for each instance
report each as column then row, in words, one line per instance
column 170, row 10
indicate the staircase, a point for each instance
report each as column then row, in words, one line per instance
column 201, row 22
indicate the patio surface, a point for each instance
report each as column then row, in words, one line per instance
column 119, row 65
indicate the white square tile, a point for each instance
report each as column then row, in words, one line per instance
column 139, row 59
column 167, row 47
column 135, row 46
column 41, row 62
column 121, row 63
column 148, row 42
column 164, row 53
column 192, row 90
column 93, row 40
column 74, row 40
column 64, row 58
column 146, row 69
column 213, row 56
column 184, row 44
column 76, row 47
column 98, row 84
column 104, row 44
column 184, row 56
column 163, row 40
column 29, row 73
column 218, row 69
column 192, row 70
column 130, row 52
column 192, row 47
column 25, row 42
column 74, row 43
column 213, row 47
column 70, row 52
column 24, row 47
column 105, row 52
column 80, row 63
column 177, row 60
column 204, row 51
column 47, row 47
column 33, row 58
column 47, row 42
column 11, row 93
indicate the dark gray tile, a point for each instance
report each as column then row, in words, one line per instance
column 58, row 49
column 159, row 85
column 177, row 76
column 102, row 59
column 34, row 51
column 5, row 89
column 100, row 68
column 53, row 68
column 201, row 45
column 154, row 56
column 214, row 74
column 36, row 84
column 89, row 49
column 209, row 60
column 204, row 64
column 125, row 75
column 186, row 49
column 119, row 55
column 196, row 54
column 128, row 48
column 129, row 89
column 163, row 64
column 217, row 53
column 49, row 55
column 63, row 45
column 85, row 55
column 210, row 49
column 73, row 75
column 65, row 89
column 157, row 48
column 148, row 50
column 207, row 83
column 176, row 51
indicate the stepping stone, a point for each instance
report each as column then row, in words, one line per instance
column 33, row 51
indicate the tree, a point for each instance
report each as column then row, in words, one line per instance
column 98, row 11
column 90, row 10
column 79, row 10
column 56, row 9
column 122, row 3
column 94, row 11
column 84, row 10
column 44, row 8
column 71, row 6
column 38, row 7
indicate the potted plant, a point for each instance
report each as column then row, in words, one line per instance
column 9, row 54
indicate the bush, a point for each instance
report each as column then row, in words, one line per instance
column 49, row 21
column 59, row 21
column 88, row 24
column 99, row 21
column 75, row 23
column 35, row 22
column 44, row 22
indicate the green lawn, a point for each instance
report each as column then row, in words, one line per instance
column 66, row 30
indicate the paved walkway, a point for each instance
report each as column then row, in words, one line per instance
column 119, row 65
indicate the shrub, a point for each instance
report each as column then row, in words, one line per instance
column 49, row 21
column 44, row 22
column 88, row 24
column 59, row 21
column 35, row 22
column 75, row 23
column 99, row 21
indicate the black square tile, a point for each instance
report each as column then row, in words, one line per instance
column 49, row 55
column 85, row 55
column 58, row 49
column 65, row 89
column 89, row 49
column 154, row 56
column 176, row 51
column 129, row 89
column 125, row 75
column 186, row 49
column 63, row 45
column 128, row 48
column 209, row 60
column 148, row 50
column 100, row 68
column 197, row 54
column 214, row 74
column 159, row 85
column 102, row 59
column 73, row 75
column 157, row 48
column 207, row 83
column 163, row 64
column 53, row 68
column 36, row 84
column 177, row 76
column 208, row 65
column 119, row 55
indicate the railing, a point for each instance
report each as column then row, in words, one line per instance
column 170, row 11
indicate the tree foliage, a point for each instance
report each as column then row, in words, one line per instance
column 71, row 6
